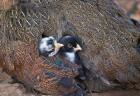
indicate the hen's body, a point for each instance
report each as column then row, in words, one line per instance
column 52, row 75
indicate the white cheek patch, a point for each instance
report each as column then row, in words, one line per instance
column 43, row 45
column 70, row 56
column 53, row 48
column 52, row 54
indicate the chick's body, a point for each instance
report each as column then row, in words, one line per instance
column 70, row 52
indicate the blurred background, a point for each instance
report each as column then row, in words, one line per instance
column 131, row 8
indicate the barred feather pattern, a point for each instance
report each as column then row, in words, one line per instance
column 34, row 71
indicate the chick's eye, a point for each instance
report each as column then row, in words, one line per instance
column 69, row 45
column 50, row 41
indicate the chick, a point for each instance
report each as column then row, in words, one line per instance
column 64, row 69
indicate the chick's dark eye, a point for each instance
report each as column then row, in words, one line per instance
column 69, row 45
column 50, row 41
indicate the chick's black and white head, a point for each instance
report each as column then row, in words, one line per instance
column 71, row 44
column 48, row 46
column 70, row 48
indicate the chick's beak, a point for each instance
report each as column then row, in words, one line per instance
column 58, row 45
column 78, row 48
column 57, row 48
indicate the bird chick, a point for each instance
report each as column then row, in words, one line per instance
column 48, row 46
column 70, row 52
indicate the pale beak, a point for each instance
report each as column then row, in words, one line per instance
column 57, row 48
column 78, row 48
column 58, row 45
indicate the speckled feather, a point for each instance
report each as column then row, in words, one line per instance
column 43, row 74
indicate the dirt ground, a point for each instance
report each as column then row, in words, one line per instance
column 8, row 88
